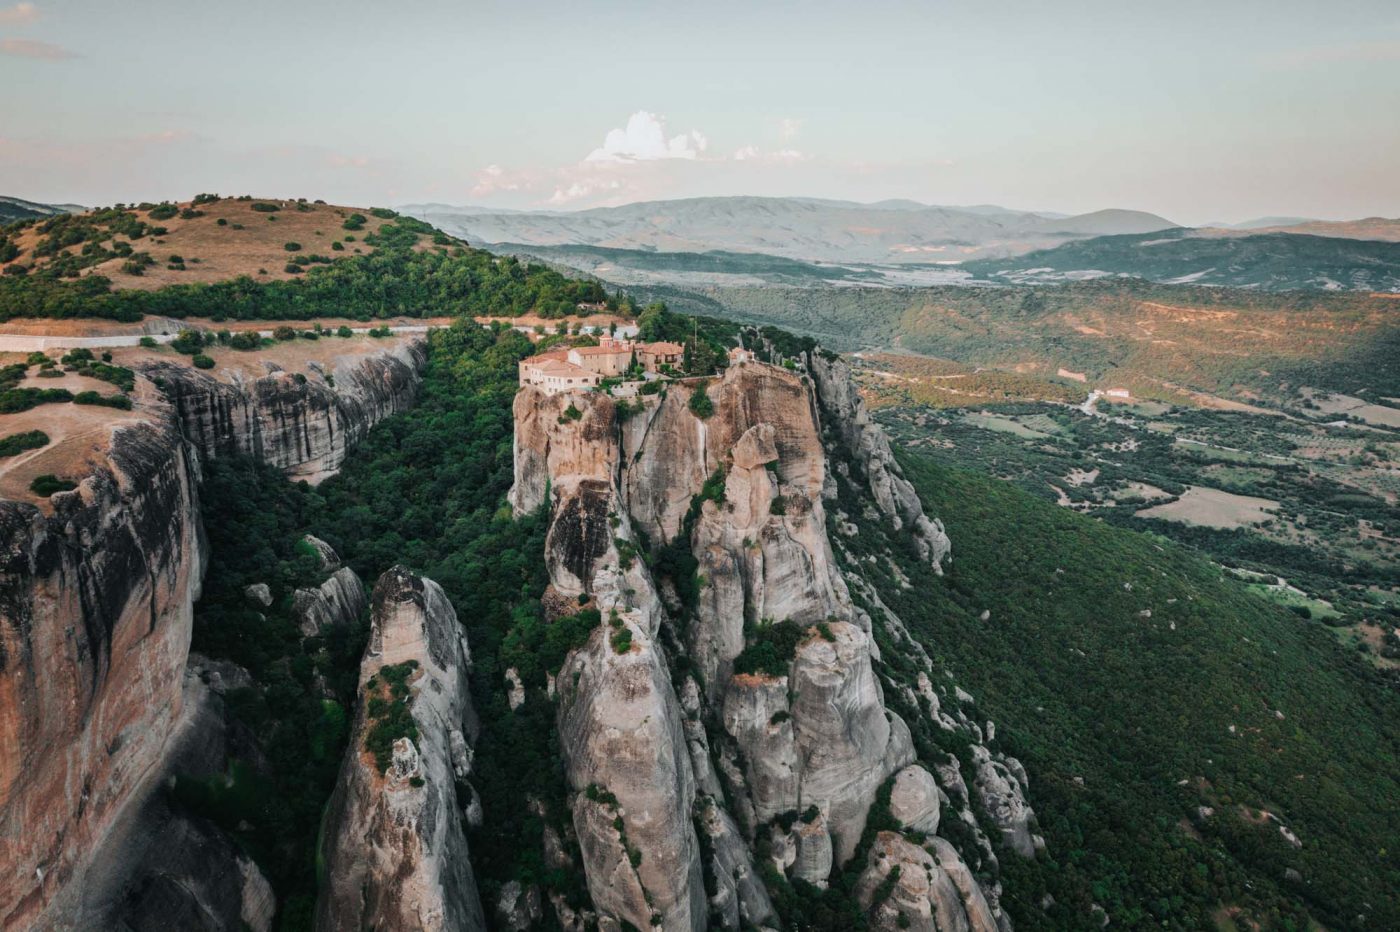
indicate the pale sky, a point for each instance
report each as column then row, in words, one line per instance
column 1198, row 111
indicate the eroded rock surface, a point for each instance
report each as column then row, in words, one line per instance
column 870, row 450
column 666, row 774
column 95, row 622
column 395, row 846
column 934, row 892
column 303, row 425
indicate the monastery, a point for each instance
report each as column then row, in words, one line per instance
column 583, row 367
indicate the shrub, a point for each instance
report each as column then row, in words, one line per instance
column 13, row 400
column 189, row 213
column 284, row 333
column 18, row 443
column 383, row 213
column 205, row 198
column 338, row 246
column 148, row 342
column 188, row 342
column 202, row 361
column 222, row 222
column 105, row 401
column 700, row 404
column 263, row 207
column 355, row 222
column 773, row 647
column 163, row 211
column 292, row 247
column 778, row 506
column 291, row 268
column 245, row 340
column 48, row 484
column 344, row 331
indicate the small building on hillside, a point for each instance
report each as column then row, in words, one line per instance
column 610, row 357
column 739, row 355
column 583, row 367
column 655, row 355
column 553, row 373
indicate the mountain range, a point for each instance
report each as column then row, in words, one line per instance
column 817, row 230
column 809, row 242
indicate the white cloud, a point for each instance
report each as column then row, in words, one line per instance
column 644, row 139
column 19, row 13
column 755, row 154
column 789, row 127
column 493, row 179
column 33, row 48
column 582, row 188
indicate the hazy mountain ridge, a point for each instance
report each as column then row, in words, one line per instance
column 1270, row 261
column 17, row 208
column 809, row 229
column 1367, row 228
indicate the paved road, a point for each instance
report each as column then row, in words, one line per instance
column 26, row 343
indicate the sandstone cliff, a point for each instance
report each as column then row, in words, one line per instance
column 303, row 425
column 395, row 842
column 96, row 604
column 679, row 773
column 95, row 622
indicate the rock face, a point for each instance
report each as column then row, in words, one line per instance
column 302, row 425
column 395, row 846
column 831, row 746
column 160, row 868
column 845, row 411
column 337, row 602
column 673, row 779
column 934, row 892
column 95, row 622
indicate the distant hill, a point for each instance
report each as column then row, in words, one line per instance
column 1107, row 223
column 15, row 208
column 807, row 229
column 1273, row 261
column 1373, row 228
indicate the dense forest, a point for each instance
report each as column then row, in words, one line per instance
column 1171, row 721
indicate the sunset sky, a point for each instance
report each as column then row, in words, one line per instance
column 1197, row 111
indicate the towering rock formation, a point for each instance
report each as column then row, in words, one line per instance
column 95, row 622
column 395, row 843
column 302, row 425
column 677, row 774
column 96, row 611
column 869, row 450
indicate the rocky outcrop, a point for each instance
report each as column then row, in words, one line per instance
column 820, row 736
column 844, row 411
column 1000, row 784
column 395, row 845
column 933, row 890
column 624, row 752
column 337, row 602
column 303, row 425
column 672, row 779
column 95, row 623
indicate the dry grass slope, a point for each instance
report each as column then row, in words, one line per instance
column 247, row 241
